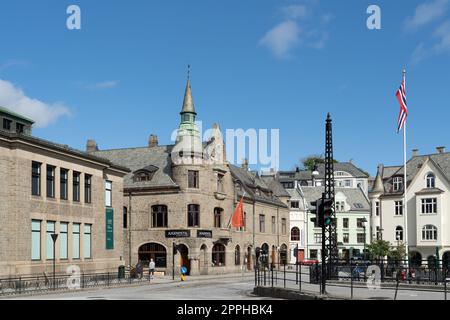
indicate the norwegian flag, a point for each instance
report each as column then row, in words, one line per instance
column 401, row 97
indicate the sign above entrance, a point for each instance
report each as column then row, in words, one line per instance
column 178, row 233
column 204, row 234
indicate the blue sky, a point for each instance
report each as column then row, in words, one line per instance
column 255, row 64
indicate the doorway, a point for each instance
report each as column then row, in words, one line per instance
column 184, row 258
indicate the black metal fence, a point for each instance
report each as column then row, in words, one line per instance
column 357, row 275
column 65, row 282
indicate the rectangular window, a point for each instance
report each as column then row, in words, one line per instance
column 87, row 241
column 317, row 238
column 283, row 226
column 345, row 237
column 7, row 124
column 397, row 184
column 313, row 254
column 63, row 240
column 274, row 228
column 377, row 208
column 295, row 204
column 76, row 186
column 345, row 223
column 64, row 187
column 398, row 208
column 262, row 223
column 193, row 215
column 20, row 128
column 348, row 183
column 361, row 238
column 36, row 179
column 50, row 181
column 108, row 193
column 360, row 222
column 76, row 241
column 49, row 240
column 193, row 180
column 429, row 206
column 35, row 240
column 87, row 188
column 125, row 217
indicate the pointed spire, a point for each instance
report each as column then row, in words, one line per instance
column 378, row 184
column 188, row 103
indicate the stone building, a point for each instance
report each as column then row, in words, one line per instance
column 185, row 194
column 47, row 188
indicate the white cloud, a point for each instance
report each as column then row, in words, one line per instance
column 441, row 46
column 295, row 11
column 282, row 38
column 426, row 13
column 42, row 113
column 302, row 26
column 103, row 85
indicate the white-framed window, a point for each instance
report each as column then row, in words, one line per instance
column 429, row 206
column 35, row 240
column 108, row 193
column 345, row 237
column 397, row 183
column 431, row 180
column 348, row 183
column 48, row 240
column 377, row 208
column 295, row 204
column 429, row 232
column 63, row 240
column 87, row 243
column 399, row 233
column 398, row 208
column 317, row 238
column 76, row 241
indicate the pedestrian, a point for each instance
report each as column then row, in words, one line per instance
column 139, row 270
column 151, row 268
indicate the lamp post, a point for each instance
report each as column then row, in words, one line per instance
column 54, row 237
column 364, row 224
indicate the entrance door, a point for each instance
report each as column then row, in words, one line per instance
column 184, row 260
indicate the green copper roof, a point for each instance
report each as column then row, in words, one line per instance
column 15, row 115
column 188, row 103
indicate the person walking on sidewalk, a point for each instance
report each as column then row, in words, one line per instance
column 151, row 268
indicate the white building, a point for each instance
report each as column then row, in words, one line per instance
column 428, row 206
column 298, row 225
column 353, row 222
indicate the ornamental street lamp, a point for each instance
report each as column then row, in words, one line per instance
column 54, row 237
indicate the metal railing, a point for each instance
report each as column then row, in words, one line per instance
column 362, row 279
column 65, row 282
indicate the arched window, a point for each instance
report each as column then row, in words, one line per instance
column 237, row 255
column 283, row 254
column 399, row 233
column 295, row 234
column 193, row 215
column 153, row 251
column 218, row 255
column 159, row 216
column 431, row 180
column 218, row 217
column 429, row 232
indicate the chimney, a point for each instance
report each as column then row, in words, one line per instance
column 152, row 141
column 244, row 164
column 415, row 152
column 91, row 146
column 440, row 149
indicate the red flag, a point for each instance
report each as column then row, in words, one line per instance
column 237, row 220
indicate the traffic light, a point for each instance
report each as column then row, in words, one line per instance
column 328, row 211
column 317, row 209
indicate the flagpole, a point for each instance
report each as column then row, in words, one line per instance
column 405, row 200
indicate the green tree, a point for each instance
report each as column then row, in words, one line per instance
column 399, row 253
column 379, row 249
column 309, row 162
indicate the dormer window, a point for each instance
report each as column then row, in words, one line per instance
column 144, row 174
column 431, row 180
column 397, row 183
